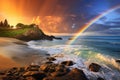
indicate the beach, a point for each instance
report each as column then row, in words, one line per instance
column 85, row 57
column 14, row 52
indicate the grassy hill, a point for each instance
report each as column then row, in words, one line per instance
column 13, row 32
column 23, row 32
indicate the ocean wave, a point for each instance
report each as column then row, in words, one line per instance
column 83, row 56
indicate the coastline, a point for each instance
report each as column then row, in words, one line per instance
column 16, row 52
column 35, row 59
column 18, row 56
column 6, row 63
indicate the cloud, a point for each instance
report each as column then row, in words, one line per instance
column 115, row 28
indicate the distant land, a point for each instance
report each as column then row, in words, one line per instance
column 24, row 32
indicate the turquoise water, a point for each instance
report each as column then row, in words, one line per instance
column 103, row 50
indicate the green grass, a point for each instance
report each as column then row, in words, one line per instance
column 13, row 33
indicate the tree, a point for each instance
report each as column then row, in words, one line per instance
column 1, row 24
column 5, row 24
column 20, row 25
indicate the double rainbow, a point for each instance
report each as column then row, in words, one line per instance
column 91, row 22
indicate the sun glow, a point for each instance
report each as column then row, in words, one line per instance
column 46, row 13
column 14, row 27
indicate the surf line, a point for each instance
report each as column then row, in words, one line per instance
column 86, row 26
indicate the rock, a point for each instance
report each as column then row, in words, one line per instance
column 21, row 69
column 39, row 76
column 100, row 78
column 47, row 54
column 60, row 70
column 54, row 69
column 50, row 71
column 44, row 67
column 58, row 73
column 48, row 62
column 67, row 63
column 57, row 38
column 74, row 74
column 94, row 67
column 51, row 58
column 33, row 68
column 29, row 78
column 2, row 73
column 48, row 67
column 118, row 60
column 30, row 73
column 77, row 74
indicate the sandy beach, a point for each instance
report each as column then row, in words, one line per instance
column 14, row 52
column 6, row 63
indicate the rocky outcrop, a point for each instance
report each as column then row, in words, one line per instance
column 94, row 67
column 25, row 32
column 67, row 63
column 51, row 59
column 118, row 60
column 74, row 74
column 35, row 34
column 49, row 71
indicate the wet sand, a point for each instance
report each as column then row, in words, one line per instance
column 14, row 52
column 6, row 63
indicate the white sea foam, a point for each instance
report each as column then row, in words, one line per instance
column 82, row 57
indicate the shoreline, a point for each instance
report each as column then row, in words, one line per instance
column 6, row 63
column 18, row 51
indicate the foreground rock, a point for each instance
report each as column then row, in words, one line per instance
column 51, row 59
column 67, row 63
column 118, row 60
column 49, row 71
column 94, row 67
column 74, row 74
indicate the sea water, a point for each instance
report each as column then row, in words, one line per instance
column 103, row 50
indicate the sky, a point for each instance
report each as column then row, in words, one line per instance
column 63, row 16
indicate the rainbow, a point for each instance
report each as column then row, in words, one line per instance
column 86, row 26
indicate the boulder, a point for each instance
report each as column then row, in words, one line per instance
column 58, row 73
column 33, row 68
column 39, row 76
column 34, row 75
column 51, row 59
column 94, row 67
column 21, row 69
column 60, row 70
column 48, row 62
column 74, row 74
column 77, row 74
column 2, row 73
column 29, row 78
column 67, row 63
column 118, row 60
column 54, row 69
column 30, row 73
column 47, row 54
column 48, row 67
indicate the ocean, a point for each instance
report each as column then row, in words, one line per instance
column 103, row 50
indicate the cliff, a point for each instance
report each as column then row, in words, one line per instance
column 25, row 33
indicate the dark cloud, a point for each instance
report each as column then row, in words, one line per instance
column 78, row 12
